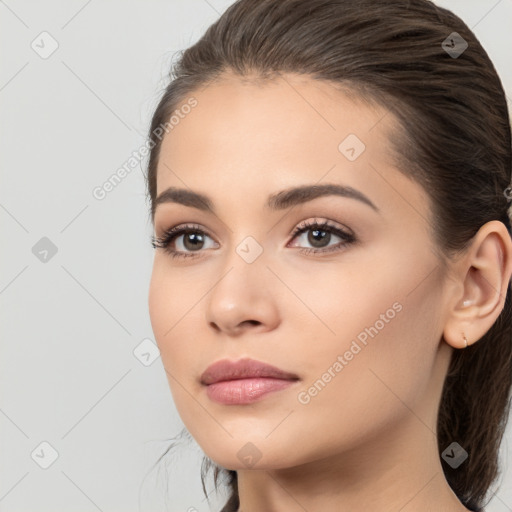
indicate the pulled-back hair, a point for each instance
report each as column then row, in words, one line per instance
column 454, row 139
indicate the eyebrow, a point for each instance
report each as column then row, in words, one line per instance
column 278, row 201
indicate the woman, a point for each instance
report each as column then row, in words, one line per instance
column 329, row 184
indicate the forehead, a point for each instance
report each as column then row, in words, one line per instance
column 233, row 108
column 248, row 135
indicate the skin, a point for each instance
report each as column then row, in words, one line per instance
column 367, row 440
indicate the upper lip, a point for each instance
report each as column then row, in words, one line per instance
column 242, row 369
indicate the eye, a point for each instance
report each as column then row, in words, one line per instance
column 319, row 235
column 192, row 242
column 186, row 241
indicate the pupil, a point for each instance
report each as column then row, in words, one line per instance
column 317, row 242
column 195, row 239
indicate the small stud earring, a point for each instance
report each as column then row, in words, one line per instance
column 466, row 303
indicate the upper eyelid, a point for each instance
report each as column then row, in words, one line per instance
column 304, row 224
column 313, row 221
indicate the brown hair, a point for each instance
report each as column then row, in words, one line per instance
column 454, row 139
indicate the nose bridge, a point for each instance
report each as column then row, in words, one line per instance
column 249, row 250
column 242, row 294
column 246, row 239
column 243, row 270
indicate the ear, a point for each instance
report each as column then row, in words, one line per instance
column 482, row 278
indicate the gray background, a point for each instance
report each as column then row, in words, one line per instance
column 73, row 322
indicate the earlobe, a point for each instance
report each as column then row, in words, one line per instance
column 484, row 274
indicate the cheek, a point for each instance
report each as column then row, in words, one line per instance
column 158, row 303
column 177, row 318
column 376, row 332
column 168, row 303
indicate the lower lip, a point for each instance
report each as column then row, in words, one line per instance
column 244, row 391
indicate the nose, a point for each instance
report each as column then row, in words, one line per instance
column 243, row 301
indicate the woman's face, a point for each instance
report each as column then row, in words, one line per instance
column 359, row 322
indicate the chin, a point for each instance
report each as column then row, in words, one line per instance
column 251, row 453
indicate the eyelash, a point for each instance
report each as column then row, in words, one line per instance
column 171, row 234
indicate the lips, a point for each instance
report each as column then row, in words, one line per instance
column 226, row 370
column 244, row 382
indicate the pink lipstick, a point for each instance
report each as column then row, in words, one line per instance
column 244, row 381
